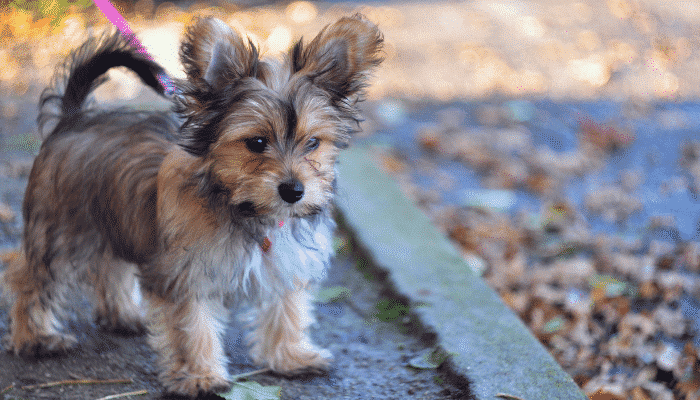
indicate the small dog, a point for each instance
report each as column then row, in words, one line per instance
column 228, row 202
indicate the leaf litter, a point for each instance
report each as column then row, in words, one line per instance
column 617, row 310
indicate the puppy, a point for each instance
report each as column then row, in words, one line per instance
column 227, row 201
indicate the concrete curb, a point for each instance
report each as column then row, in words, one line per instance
column 493, row 348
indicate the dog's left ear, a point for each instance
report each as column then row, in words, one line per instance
column 215, row 53
column 339, row 59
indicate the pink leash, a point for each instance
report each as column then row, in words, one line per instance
column 117, row 20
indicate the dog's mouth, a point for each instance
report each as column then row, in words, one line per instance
column 246, row 209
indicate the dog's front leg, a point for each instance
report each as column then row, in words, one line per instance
column 280, row 339
column 186, row 334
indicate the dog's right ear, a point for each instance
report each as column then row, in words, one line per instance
column 341, row 57
column 215, row 53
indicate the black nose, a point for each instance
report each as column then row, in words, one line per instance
column 291, row 191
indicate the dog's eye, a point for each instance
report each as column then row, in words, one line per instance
column 312, row 144
column 256, row 144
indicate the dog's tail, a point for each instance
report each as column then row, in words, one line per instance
column 82, row 72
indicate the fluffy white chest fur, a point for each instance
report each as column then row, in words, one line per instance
column 296, row 252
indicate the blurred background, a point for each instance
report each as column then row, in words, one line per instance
column 555, row 142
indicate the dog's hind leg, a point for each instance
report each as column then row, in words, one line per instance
column 118, row 296
column 35, row 328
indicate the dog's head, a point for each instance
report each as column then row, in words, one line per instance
column 269, row 132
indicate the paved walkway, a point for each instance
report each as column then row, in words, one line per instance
column 490, row 346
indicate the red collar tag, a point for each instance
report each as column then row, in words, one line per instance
column 266, row 243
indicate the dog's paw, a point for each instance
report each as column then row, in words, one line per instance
column 182, row 384
column 40, row 346
column 124, row 326
column 320, row 361
column 299, row 359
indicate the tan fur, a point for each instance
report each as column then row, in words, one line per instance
column 116, row 292
column 280, row 337
column 33, row 320
column 187, row 337
column 233, row 205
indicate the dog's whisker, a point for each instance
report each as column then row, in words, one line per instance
column 315, row 165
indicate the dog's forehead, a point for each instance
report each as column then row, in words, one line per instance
column 275, row 74
column 278, row 113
